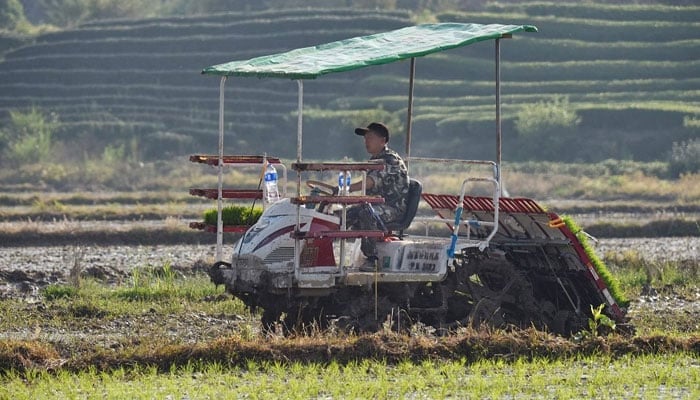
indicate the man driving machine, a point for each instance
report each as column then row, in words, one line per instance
column 391, row 183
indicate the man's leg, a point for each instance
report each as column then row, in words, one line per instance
column 364, row 217
column 360, row 218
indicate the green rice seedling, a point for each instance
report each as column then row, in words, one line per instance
column 165, row 276
column 599, row 320
column 252, row 215
column 234, row 215
column 658, row 375
column 150, row 284
column 599, row 266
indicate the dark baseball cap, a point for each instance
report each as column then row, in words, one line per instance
column 376, row 127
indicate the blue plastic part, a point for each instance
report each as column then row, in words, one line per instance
column 453, row 243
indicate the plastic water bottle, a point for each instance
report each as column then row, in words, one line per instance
column 347, row 183
column 272, row 194
column 341, row 183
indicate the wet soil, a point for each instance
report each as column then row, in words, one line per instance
column 24, row 271
column 162, row 339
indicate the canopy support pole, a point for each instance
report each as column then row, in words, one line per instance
column 219, row 197
column 498, row 112
column 300, row 109
column 409, row 112
column 300, row 114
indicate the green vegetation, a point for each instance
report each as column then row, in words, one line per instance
column 12, row 15
column 234, row 215
column 685, row 157
column 626, row 71
column 544, row 119
column 548, row 127
column 54, row 292
column 114, row 100
column 72, row 12
column 599, row 322
column 160, row 327
column 653, row 376
column 598, row 265
column 162, row 290
column 28, row 137
column 636, row 274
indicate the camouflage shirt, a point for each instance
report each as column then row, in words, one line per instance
column 391, row 183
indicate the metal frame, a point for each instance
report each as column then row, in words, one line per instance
column 409, row 122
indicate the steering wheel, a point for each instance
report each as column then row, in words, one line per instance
column 322, row 187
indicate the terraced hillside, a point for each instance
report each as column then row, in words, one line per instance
column 124, row 79
column 630, row 72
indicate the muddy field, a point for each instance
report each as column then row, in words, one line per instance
column 25, row 270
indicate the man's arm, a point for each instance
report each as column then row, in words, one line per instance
column 357, row 186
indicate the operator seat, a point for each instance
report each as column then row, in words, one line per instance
column 415, row 188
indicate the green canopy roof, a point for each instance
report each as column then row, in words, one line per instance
column 363, row 51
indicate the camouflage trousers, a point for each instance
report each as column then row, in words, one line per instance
column 368, row 217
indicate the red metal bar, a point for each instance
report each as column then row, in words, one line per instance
column 335, row 166
column 232, row 159
column 514, row 205
column 337, row 199
column 486, row 203
column 435, row 201
column 480, row 203
column 451, row 201
column 337, row 234
column 530, row 205
column 228, row 193
column 212, row 228
column 509, row 205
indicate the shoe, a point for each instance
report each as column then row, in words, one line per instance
column 370, row 264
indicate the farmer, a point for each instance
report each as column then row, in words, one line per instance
column 391, row 183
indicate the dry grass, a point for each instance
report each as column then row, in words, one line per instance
column 469, row 344
column 20, row 355
column 633, row 186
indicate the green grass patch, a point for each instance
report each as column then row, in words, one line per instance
column 161, row 291
column 163, row 284
column 637, row 273
column 53, row 292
